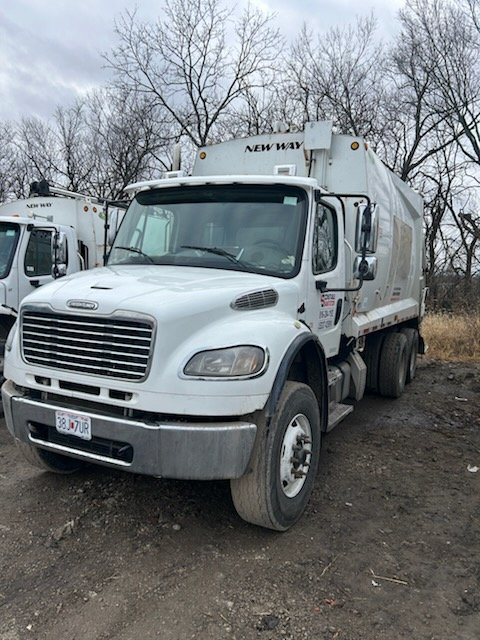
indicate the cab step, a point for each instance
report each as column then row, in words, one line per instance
column 337, row 413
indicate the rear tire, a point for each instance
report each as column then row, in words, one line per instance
column 49, row 460
column 373, row 350
column 277, row 486
column 412, row 351
column 393, row 365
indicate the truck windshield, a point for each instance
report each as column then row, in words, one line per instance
column 9, row 234
column 256, row 228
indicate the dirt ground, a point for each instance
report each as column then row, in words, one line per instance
column 389, row 546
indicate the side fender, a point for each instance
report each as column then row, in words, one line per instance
column 306, row 350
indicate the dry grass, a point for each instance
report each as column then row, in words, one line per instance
column 452, row 337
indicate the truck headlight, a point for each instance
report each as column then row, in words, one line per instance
column 226, row 363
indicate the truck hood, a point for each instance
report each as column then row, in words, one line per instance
column 159, row 291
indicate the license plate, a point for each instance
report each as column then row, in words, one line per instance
column 73, row 424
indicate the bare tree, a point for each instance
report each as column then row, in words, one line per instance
column 9, row 175
column 96, row 146
column 468, row 224
column 257, row 112
column 339, row 75
column 196, row 64
column 127, row 140
column 38, row 150
column 443, row 40
column 415, row 131
column 75, row 158
column 438, row 60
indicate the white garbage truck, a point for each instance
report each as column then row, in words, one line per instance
column 53, row 232
column 242, row 313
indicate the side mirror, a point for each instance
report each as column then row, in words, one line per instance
column 59, row 249
column 366, row 231
column 115, row 216
column 365, row 268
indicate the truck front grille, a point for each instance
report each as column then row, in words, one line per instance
column 112, row 347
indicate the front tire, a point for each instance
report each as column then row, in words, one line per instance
column 275, row 490
column 48, row 460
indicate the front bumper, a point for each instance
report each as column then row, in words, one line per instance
column 186, row 450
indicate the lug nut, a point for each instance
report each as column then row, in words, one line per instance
column 299, row 474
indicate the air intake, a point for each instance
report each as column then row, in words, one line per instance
column 255, row 300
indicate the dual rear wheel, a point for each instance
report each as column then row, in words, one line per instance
column 391, row 361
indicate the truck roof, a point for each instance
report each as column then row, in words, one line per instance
column 23, row 220
column 180, row 181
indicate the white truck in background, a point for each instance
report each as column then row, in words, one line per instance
column 241, row 314
column 53, row 232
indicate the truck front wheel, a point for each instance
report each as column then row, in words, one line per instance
column 275, row 490
column 48, row 460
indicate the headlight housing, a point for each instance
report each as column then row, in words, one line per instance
column 232, row 362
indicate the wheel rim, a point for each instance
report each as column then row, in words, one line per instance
column 295, row 456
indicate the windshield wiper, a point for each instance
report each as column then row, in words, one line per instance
column 135, row 250
column 218, row 252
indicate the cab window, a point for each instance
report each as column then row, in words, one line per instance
column 324, row 252
column 9, row 234
column 38, row 256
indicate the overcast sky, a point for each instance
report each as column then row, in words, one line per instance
column 50, row 50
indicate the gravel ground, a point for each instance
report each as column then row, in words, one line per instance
column 388, row 548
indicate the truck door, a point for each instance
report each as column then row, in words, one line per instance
column 37, row 262
column 324, row 307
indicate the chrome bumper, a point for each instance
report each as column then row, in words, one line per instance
column 190, row 451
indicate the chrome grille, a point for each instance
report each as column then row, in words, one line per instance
column 112, row 347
